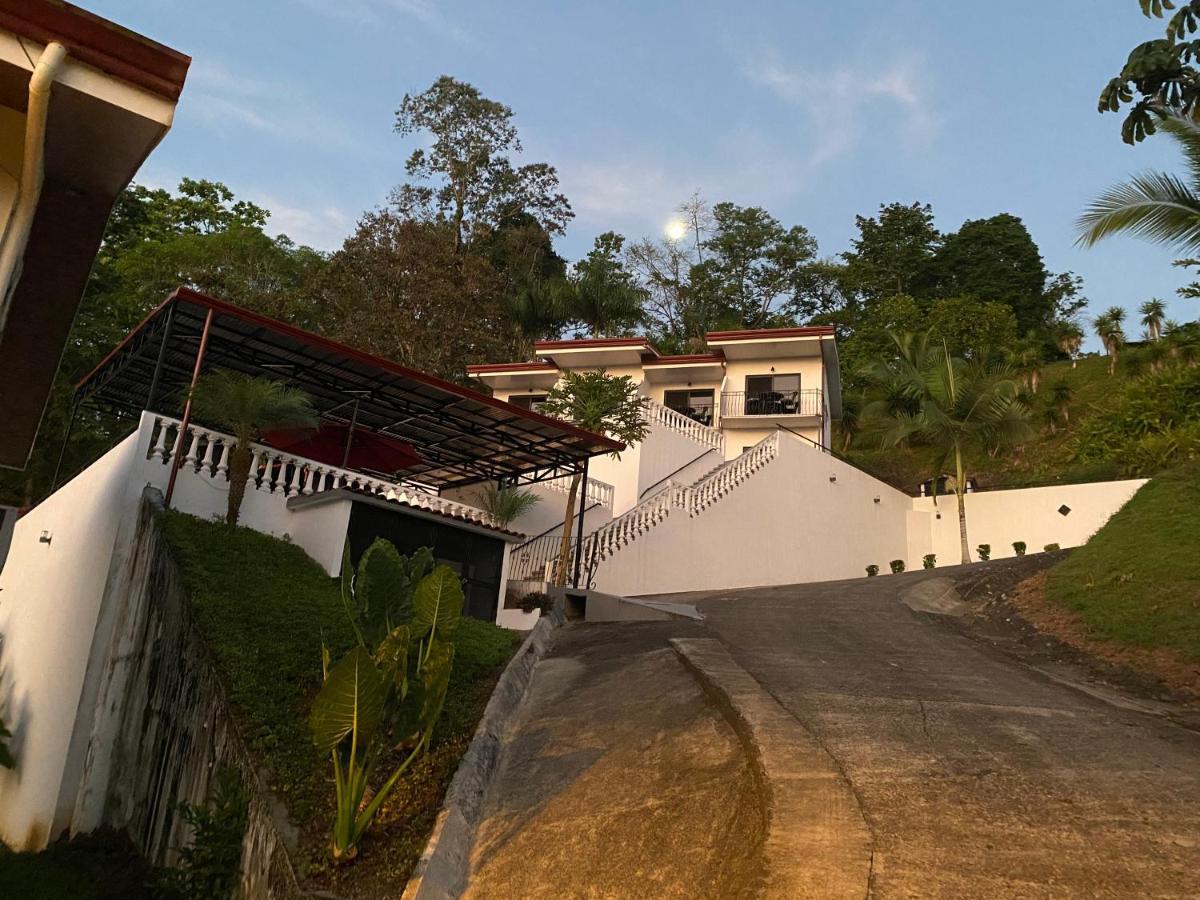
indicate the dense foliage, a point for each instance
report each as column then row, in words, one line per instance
column 1155, row 422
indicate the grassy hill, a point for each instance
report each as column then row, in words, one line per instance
column 1050, row 458
column 264, row 608
column 1137, row 581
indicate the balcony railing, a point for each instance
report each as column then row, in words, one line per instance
column 771, row 403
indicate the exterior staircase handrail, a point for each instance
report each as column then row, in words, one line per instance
column 533, row 559
column 702, row 434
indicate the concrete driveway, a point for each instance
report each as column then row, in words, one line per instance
column 977, row 776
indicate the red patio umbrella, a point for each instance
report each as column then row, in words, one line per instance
column 368, row 450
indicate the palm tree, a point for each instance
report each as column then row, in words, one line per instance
column 1069, row 338
column 508, row 503
column 1157, row 206
column 1029, row 355
column 957, row 406
column 1111, row 334
column 1153, row 313
column 538, row 310
column 1060, row 398
column 248, row 406
column 600, row 403
column 603, row 304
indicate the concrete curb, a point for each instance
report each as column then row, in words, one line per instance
column 817, row 842
column 446, row 863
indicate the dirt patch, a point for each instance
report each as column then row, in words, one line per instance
column 1009, row 610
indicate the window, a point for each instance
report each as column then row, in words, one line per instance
column 527, row 401
column 696, row 405
column 772, row 394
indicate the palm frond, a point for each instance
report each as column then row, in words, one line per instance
column 1155, row 206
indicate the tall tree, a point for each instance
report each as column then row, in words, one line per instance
column 465, row 174
column 605, row 297
column 1158, row 74
column 959, row 407
column 754, row 265
column 893, row 253
column 398, row 288
column 996, row 260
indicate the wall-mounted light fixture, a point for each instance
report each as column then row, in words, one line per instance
column 876, row 499
column 832, row 479
column 45, row 538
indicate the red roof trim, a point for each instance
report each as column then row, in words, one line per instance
column 228, row 309
column 759, row 333
column 99, row 43
column 715, row 356
column 482, row 368
column 640, row 343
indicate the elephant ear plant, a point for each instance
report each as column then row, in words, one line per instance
column 380, row 702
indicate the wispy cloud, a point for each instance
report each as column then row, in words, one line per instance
column 427, row 13
column 323, row 227
column 840, row 102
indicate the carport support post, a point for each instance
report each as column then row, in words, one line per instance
column 62, row 452
column 579, row 524
column 181, row 440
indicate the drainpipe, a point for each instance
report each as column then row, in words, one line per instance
column 33, row 171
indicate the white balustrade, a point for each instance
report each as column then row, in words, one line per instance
column 275, row 472
column 676, row 421
column 532, row 558
column 598, row 492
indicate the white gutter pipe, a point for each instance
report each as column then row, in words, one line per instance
column 33, row 171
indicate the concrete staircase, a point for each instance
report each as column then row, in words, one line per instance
column 534, row 560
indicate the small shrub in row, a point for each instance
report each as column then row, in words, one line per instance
column 1050, row 548
column 929, row 560
column 872, row 570
column 1019, row 548
column 897, row 566
column 984, row 551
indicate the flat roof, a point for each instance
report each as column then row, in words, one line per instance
column 461, row 435
column 759, row 334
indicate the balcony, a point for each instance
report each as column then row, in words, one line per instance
column 791, row 405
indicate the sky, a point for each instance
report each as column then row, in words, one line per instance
column 816, row 111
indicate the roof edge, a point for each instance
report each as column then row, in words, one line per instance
column 761, row 333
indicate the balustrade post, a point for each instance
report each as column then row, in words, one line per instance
column 223, row 462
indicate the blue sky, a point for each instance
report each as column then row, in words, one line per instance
column 815, row 111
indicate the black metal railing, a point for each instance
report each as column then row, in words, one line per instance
column 771, row 403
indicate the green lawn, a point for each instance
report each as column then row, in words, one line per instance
column 264, row 608
column 1137, row 581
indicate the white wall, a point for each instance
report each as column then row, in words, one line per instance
column 548, row 512
column 50, row 597
column 1027, row 514
column 664, row 451
column 785, row 524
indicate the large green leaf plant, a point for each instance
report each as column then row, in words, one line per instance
column 386, row 694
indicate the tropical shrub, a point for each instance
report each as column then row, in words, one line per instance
column 1050, row 548
column 209, row 866
column 507, row 504
column 929, row 561
column 872, row 570
column 1019, row 548
column 387, row 693
column 539, row 600
column 1154, row 423
column 984, row 551
column 897, row 566
column 248, row 406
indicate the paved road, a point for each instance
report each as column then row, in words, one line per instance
column 977, row 777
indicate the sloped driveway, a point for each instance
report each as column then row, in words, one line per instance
column 978, row 777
